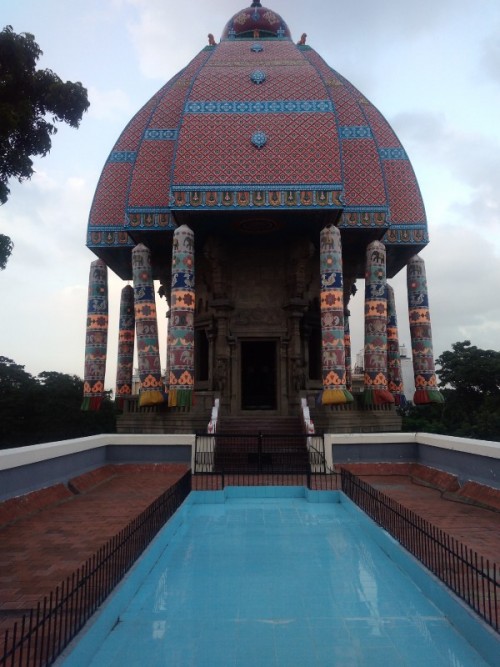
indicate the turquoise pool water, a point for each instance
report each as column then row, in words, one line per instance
column 268, row 581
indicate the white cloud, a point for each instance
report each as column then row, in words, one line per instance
column 490, row 57
column 109, row 105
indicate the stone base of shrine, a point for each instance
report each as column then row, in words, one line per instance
column 162, row 419
column 354, row 417
column 348, row 418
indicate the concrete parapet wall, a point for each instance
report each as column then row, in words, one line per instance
column 467, row 459
column 26, row 469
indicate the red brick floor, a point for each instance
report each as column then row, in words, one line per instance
column 47, row 536
column 476, row 527
column 45, row 545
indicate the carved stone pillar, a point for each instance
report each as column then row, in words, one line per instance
column 222, row 339
column 216, row 256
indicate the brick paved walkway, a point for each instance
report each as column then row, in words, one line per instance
column 42, row 546
column 47, row 536
column 477, row 528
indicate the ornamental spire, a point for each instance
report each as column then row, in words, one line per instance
column 255, row 3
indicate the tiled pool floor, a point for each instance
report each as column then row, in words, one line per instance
column 277, row 581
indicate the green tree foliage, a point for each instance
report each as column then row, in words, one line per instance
column 469, row 379
column 31, row 102
column 17, row 393
column 470, row 370
column 45, row 408
column 6, row 247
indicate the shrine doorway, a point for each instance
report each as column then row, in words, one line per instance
column 258, row 375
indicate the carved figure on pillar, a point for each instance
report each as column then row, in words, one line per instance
column 395, row 376
column 421, row 335
column 96, row 338
column 332, row 319
column 376, row 384
column 348, row 359
column 126, row 339
column 221, row 369
column 181, row 330
column 151, row 392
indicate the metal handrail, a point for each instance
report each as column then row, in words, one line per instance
column 256, row 446
column 473, row 578
column 43, row 632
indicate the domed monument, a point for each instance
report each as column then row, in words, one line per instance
column 257, row 186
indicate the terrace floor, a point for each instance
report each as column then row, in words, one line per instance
column 47, row 535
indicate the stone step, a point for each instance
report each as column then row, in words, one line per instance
column 274, row 444
column 259, row 424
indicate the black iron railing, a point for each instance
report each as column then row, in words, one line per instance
column 261, row 459
column 42, row 633
column 472, row 577
column 216, row 481
column 258, row 453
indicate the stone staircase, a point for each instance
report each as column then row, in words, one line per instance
column 260, row 444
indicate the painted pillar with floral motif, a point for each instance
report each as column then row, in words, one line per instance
column 426, row 390
column 96, row 338
column 181, row 326
column 146, row 325
column 332, row 319
column 395, row 375
column 376, row 390
column 126, row 339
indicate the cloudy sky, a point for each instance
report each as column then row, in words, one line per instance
column 431, row 67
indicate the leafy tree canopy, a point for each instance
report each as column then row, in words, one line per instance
column 45, row 408
column 469, row 369
column 13, row 377
column 6, row 247
column 470, row 382
column 31, row 102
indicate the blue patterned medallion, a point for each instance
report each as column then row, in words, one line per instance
column 258, row 76
column 259, row 139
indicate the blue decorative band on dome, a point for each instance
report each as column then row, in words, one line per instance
column 392, row 154
column 235, row 187
column 273, row 106
column 122, row 156
column 161, row 134
column 355, row 132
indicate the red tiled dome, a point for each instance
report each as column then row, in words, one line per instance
column 256, row 18
column 257, row 123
